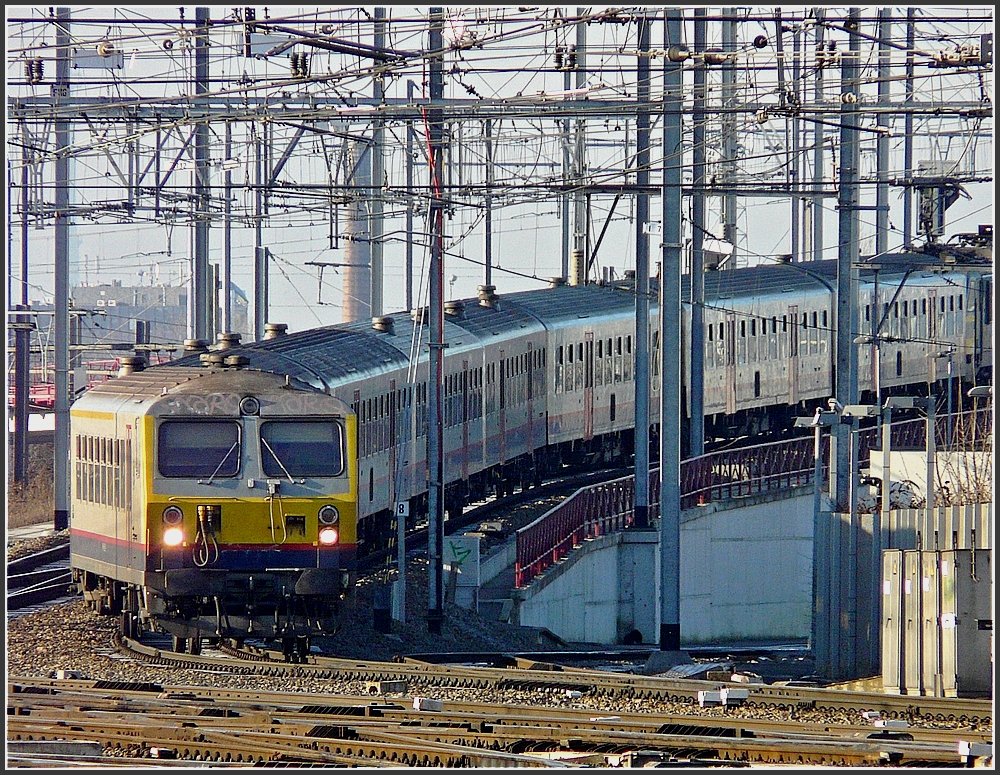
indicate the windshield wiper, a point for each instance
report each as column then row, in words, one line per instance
column 223, row 461
column 276, row 459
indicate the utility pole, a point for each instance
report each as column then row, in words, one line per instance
column 696, row 442
column 729, row 133
column 670, row 324
column 882, row 142
column 378, row 175
column 22, row 332
column 408, row 255
column 908, row 132
column 794, row 166
column 819, row 137
column 641, row 500
column 435, row 462
column 488, row 227
column 848, row 254
column 227, row 257
column 61, row 96
column 581, row 220
column 259, row 251
column 202, row 285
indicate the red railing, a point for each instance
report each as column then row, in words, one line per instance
column 778, row 465
column 587, row 513
column 606, row 507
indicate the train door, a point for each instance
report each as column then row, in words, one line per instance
column 793, row 354
column 136, row 538
column 932, row 333
column 502, row 386
column 588, row 386
column 981, row 321
column 529, row 378
column 730, row 362
column 463, row 377
column 393, row 444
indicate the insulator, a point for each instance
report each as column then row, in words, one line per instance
column 293, row 62
column 559, row 58
column 303, row 64
column 39, row 70
column 29, row 70
column 571, row 59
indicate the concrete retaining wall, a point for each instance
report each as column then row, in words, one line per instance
column 746, row 575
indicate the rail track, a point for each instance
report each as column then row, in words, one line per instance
column 38, row 578
column 226, row 725
column 550, row 677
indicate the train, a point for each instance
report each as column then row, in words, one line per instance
column 214, row 504
column 533, row 381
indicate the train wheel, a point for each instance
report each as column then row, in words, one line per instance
column 178, row 644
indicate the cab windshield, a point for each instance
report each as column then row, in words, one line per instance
column 291, row 448
column 199, row 448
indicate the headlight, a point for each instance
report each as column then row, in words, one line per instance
column 328, row 536
column 173, row 515
column 173, row 536
column 328, row 515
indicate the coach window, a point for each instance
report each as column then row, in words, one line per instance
column 655, row 349
column 203, row 448
column 618, row 359
column 559, row 369
column 628, row 358
column 570, row 368
column 311, row 448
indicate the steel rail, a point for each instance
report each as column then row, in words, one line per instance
column 288, row 709
column 261, row 736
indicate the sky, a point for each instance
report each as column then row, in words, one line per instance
column 496, row 53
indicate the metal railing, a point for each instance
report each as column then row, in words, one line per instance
column 602, row 508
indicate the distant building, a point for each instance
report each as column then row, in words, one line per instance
column 115, row 309
column 106, row 318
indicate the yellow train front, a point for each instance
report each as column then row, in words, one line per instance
column 214, row 503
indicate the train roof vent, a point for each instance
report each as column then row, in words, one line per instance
column 195, row 345
column 420, row 315
column 131, row 364
column 212, row 359
column 454, row 309
column 236, row 361
column 227, row 339
column 383, row 323
column 274, row 330
column 487, row 296
column 555, row 282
